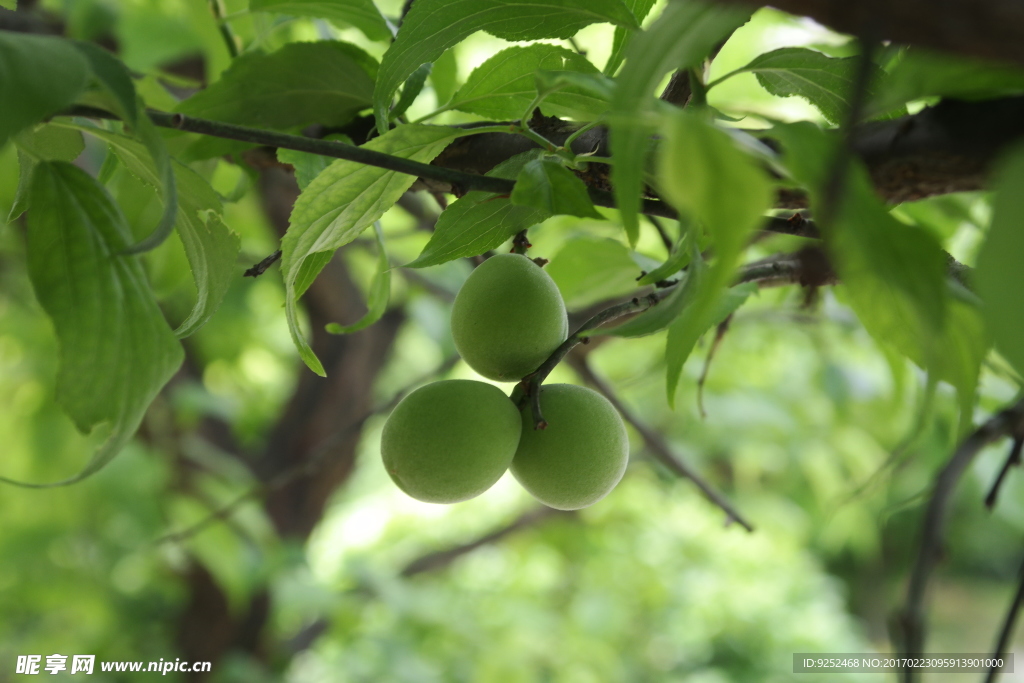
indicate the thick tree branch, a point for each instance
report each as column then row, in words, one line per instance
column 987, row 29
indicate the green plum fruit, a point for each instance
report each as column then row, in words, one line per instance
column 451, row 440
column 581, row 455
column 508, row 318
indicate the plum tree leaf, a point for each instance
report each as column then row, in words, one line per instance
column 308, row 166
column 341, row 202
column 45, row 143
column 39, row 76
column 380, row 290
column 826, row 82
column 480, row 220
column 547, row 185
column 502, row 87
column 362, row 14
column 893, row 274
column 1001, row 263
column 589, row 269
column 210, row 246
column 114, row 78
column 325, row 82
column 922, row 73
column 433, row 26
column 682, row 37
column 640, row 10
column 116, row 349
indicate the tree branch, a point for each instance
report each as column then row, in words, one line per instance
column 442, row 558
column 986, row 29
column 656, row 443
column 1003, row 642
column 1009, row 422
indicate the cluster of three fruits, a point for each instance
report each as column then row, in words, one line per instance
column 452, row 440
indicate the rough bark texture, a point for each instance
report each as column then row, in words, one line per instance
column 988, row 29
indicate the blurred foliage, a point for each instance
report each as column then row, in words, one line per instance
column 823, row 438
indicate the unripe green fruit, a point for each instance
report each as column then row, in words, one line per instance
column 508, row 318
column 581, row 455
column 451, row 440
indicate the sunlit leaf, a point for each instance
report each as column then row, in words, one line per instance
column 380, row 291
column 682, row 37
column 211, row 248
column 433, row 26
column 340, row 203
column 362, row 14
column 1000, row 268
column 503, row 87
column 640, row 10
column 590, row 269
column 826, row 82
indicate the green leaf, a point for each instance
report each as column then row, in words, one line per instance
column 894, row 275
column 1000, row 265
column 547, row 185
column 480, row 220
column 380, row 291
column 46, row 143
column 668, row 309
column 308, row 166
column 116, row 349
column 433, row 26
column 444, row 77
column 411, row 90
column 640, row 9
column 362, row 14
column 113, row 76
column 682, row 37
column 150, row 137
column 922, row 73
column 705, row 174
column 210, row 247
column 825, row 82
column 340, row 203
column 588, row 269
column 675, row 262
column 324, row 82
column 9, row 4
column 39, row 76
column 691, row 325
column 503, row 87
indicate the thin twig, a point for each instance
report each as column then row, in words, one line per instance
column 656, row 443
column 1006, row 423
column 1003, row 643
column 442, row 558
column 1012, row 460
column 261, row 267
column 225, row 29
column 720, row 331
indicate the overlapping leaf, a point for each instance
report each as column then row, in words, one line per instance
column 503, row 87
column 340, row 203
column 480, row 220
column 547, row 185
column 116, row 349
column 380, row 291
column 324, row 82
column 682, row 37
column 433, row 26
column 211, row 248
column 362, row 14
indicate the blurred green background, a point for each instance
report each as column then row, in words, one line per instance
column 809, row 429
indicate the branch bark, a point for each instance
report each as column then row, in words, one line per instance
column 985, row 29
